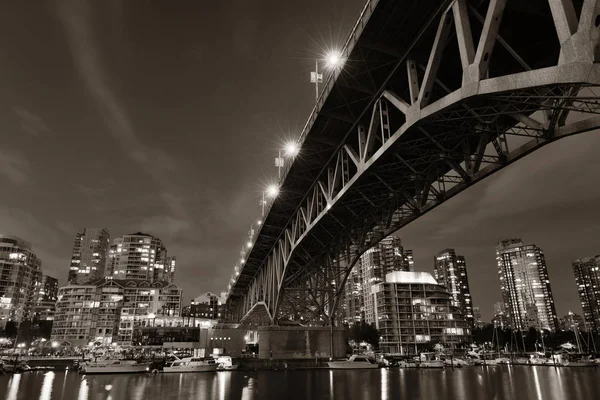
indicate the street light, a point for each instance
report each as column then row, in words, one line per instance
column 291, row 149
column 272, row 190
column 333, row 59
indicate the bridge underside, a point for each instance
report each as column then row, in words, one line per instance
column 411, row 122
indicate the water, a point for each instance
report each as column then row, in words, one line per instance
column 498, row 383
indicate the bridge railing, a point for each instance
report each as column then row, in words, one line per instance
column 365, row 14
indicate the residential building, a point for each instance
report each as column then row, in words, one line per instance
column 386, row 256
column 413, row 312
column 525, row 285
column 501, row 316
column 88, row 260
column 46, row 295
column 587, row 279
column 108, row 310
column 140, row 256
column 571, row 322
column 20, row 271
column 208, row 305
column 450, row 271
column 477, row 319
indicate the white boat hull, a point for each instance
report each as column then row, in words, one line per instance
column 120, row 369
column 431, row 364
column 191, row 368
column 351, row 365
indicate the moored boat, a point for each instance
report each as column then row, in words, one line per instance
column 225, row 363
column 191, row 364
column 354, row 362
column 113, row 367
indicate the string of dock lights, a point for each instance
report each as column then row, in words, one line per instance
column 330, row 62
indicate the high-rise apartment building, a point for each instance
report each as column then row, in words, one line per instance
column 412, row 311
column 450, row 271
column 140, row 256
column 387, row 256
column 208, row 305
column 90, row 250
column 46, row 295
column 525, row 285
column 587, row 278
column 109, row 310
column 20, row 271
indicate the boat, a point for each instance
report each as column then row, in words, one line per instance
column 456, row 362
column 225, row 363
column 191, row 364
column 113, row 367
column 354, row 362
column 430, row 360
column 407, row 364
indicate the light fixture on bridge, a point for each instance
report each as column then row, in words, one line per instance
column 242, row 261
column 249, row 244
column 291, row 149
column 272, row 190
column 329, row 206
column 333, row 59
column 259, row 222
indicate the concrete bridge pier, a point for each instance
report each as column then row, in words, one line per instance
column 302, row 342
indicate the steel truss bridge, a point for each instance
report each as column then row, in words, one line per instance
column 434, row 96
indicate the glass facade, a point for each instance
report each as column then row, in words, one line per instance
column 587, row 279
column 450, row 271
column 525, row 285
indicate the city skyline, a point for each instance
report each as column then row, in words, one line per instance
column 205, row 216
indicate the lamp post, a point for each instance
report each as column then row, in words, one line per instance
column 332, row 60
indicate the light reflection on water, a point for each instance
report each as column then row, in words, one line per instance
column 499, row 383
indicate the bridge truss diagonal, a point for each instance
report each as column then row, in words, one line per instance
column 435, row 97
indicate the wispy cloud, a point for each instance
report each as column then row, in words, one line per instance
column 31, row 123
column 14, row 166
column 77, row 21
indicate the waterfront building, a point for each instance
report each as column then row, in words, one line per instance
column 108, row 310
column 450, row 271
column 386, row 256
column 20, row 271
column 587, row 279
column 46, row 295
column 88, row 260
column 525, row 285
column 413, row 312
column 140, row 256
column 208, row 305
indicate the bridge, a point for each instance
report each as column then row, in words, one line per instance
column 434, row 96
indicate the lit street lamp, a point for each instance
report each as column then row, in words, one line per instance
column 332, row 60
column 290, row 150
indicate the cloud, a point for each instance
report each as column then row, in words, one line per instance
column 14, row 166
column 76, row 18
column 50, row 243
column 31, row 123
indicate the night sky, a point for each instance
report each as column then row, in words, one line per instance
column 164, row 117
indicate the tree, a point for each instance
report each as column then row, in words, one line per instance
column 363, row 332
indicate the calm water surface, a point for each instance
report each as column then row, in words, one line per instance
column 496, row 383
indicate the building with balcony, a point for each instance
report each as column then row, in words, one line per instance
column 587, row 279
column 387, row 256
column 109, row 310
column 20, row 272
column 450, row 271
column 140, row 256
column 413, row 313
column 88, row 261
column 208, row 305
column 525, row 285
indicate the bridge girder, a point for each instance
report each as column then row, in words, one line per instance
column 420, row 142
